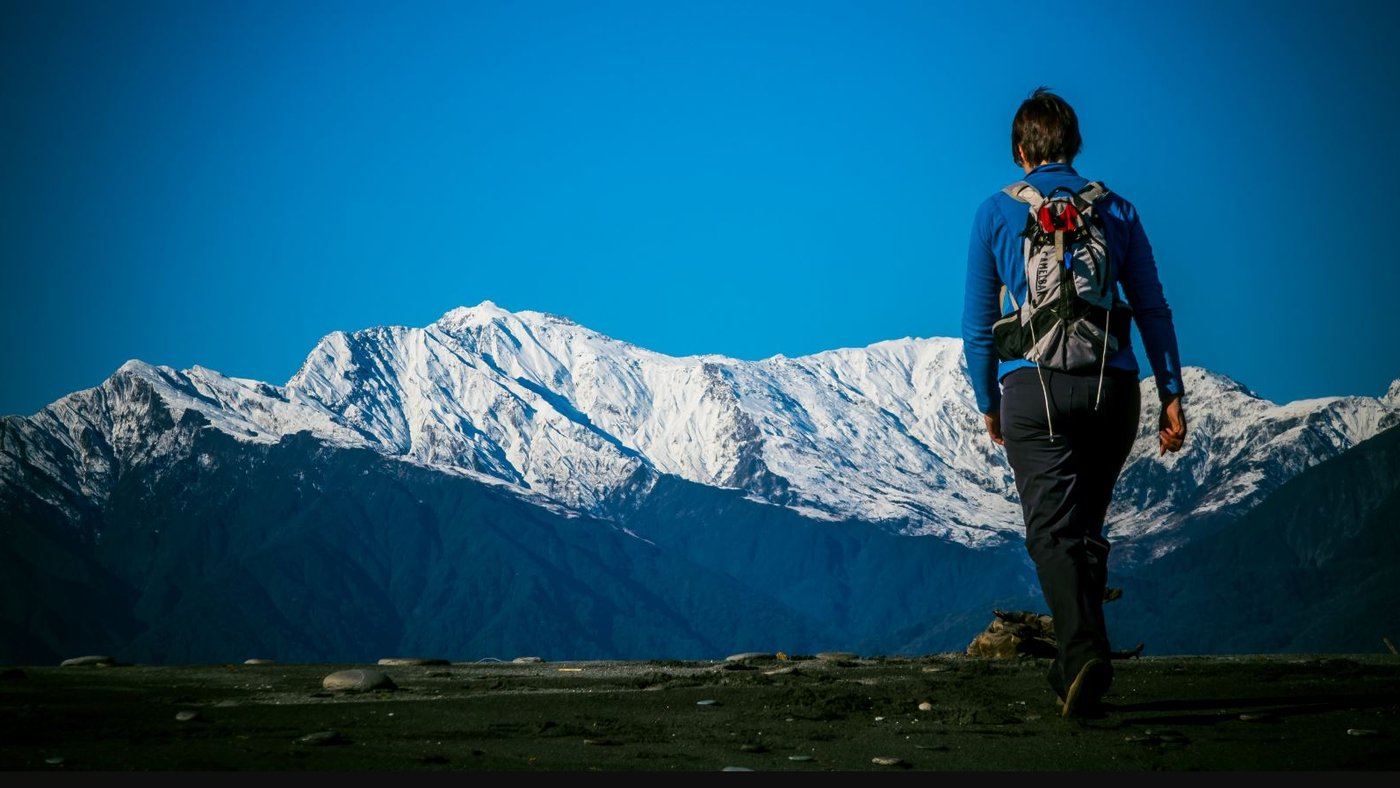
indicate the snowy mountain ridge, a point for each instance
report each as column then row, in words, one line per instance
column 887, row 433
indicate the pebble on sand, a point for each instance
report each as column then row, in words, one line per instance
column 186, row 716
column 527, row 660
column 925, row 706
column 358, row 680
column 256, row 661
column 412, row 661
column 886, row 760
column 749, row 656
column 322, row 738
column 837, row 656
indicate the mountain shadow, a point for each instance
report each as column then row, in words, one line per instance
column 298, row 551
column 304, row 552
column 1314, row 568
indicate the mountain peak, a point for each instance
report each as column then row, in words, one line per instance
column 136, row 365
column 1392, row 395
column 489, row 311
column 482, row 312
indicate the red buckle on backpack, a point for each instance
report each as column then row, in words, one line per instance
column 1067, row 220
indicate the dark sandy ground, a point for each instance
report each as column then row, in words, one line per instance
column 944, row 712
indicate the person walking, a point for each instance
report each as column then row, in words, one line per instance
column 1067, row 430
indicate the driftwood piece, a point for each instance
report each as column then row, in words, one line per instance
column 1024, row 633
column 1016, row 633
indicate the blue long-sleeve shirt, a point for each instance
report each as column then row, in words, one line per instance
column 995, row 256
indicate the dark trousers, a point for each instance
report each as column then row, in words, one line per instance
column 1066, row 463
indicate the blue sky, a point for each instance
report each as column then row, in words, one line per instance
column 223, row 183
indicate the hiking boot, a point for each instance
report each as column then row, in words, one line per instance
column 1088, row 688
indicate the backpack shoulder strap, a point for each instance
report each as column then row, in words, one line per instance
column 1026, row 193
column 1093, row 192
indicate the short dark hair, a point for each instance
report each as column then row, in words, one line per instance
column 1046, row 127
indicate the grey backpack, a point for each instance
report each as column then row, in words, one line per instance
column 1072, row 319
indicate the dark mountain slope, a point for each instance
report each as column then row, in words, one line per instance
column 1315, row 567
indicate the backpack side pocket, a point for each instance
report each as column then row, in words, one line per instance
column 1011, row 338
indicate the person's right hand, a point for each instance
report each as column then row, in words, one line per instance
column 1171, row 432
column 993, row 422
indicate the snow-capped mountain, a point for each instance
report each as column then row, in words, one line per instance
column 882, row 433
column 512, row 482
column 887, row 433
column 1240, row 448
